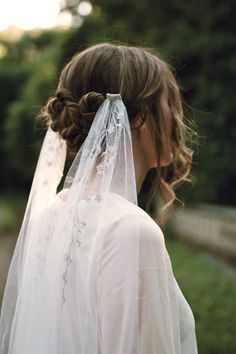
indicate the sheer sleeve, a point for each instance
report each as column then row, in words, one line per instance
column 147, row 323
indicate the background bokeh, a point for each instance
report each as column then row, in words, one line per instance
column 198, row 38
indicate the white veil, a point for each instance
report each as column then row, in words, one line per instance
column 90, row 273
column 103, row 165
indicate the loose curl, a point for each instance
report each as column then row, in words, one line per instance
column 148, row 88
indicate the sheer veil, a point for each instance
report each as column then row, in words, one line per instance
column 41, row 291
column 90, row 273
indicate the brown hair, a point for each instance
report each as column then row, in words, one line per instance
column 148, row 88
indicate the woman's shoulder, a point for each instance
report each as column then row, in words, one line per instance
column 128, row 217
column 122, row 207
column 132, row 227
column 119, row 215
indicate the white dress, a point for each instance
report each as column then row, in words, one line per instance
column 158, row 289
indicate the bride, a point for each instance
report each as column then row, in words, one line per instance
column 90, row 273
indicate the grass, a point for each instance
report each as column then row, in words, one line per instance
column 212, row 297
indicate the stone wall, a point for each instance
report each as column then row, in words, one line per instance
column 207, row 226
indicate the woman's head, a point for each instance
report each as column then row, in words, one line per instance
column 151, row 96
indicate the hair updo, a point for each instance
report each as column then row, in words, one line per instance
column 148, row 88
column 72, row 118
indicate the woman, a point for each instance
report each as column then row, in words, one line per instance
column 90, row 272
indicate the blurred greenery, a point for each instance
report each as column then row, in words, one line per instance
column 195, row 36
column 7, row 217
column 11, row 213
column 211, row 296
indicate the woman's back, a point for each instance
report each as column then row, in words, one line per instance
column 159, row 294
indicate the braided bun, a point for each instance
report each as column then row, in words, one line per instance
column 72, row 119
